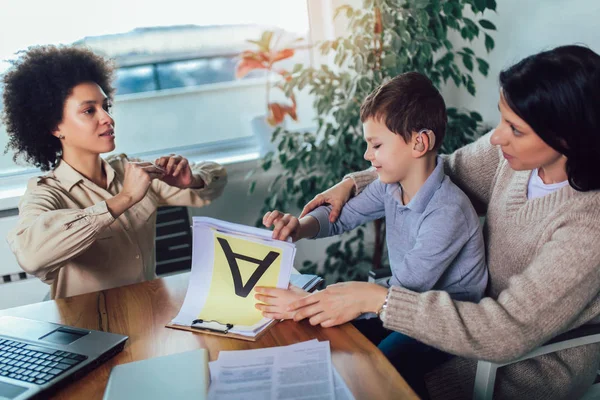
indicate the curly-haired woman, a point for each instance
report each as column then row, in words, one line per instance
column 89, row 223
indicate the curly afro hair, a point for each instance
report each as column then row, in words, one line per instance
column 35, row 90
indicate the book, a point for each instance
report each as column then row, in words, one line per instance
column 176, row 376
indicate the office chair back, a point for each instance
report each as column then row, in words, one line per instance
column 173, row 240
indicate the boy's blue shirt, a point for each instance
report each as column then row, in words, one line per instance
column 435, row 242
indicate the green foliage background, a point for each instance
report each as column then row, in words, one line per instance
column 387, row 38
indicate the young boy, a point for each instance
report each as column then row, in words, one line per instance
column 433, row 234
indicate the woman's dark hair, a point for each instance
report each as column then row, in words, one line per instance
column 35, row 90
column 557, row 93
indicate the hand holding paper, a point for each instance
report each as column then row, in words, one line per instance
column 277, row 301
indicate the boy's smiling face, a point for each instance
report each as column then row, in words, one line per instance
column 387, row 151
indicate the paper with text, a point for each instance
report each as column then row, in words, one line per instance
column 301, row 371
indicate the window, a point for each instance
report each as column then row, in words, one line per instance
column 176, row 87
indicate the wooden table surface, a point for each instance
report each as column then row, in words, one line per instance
column 142, row 310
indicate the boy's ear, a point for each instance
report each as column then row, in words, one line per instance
column 424, row 142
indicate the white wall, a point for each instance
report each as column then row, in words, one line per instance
column 187, row 116
column 525, row 27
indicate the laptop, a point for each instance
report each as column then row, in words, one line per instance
column 39, row 357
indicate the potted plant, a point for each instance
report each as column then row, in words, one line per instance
column 266, row 56
column 386, row 38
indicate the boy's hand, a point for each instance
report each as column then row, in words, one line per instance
column 284, row 225
column 276, row 301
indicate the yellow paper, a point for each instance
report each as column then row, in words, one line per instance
column 223, row 304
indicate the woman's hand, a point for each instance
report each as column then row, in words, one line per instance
column 339, row 303
column 276, row 301
column 177, row 172
column 136, row 182
column 138, row 178
column 336, row 196
column 284, row 225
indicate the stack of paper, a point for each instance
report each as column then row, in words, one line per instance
column 228, row 261
column 299, row 371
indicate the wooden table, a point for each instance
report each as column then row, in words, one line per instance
column 142, row 310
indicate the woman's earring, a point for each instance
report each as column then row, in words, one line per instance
column 61, row 137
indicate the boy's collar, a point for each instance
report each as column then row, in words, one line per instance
column 419, row 202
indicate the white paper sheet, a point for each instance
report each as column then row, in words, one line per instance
column 203, row 256
column 298, row 371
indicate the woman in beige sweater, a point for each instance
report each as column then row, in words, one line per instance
column 89, row 223
column 536, row 179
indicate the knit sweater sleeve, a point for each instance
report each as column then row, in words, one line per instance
column 473, row 168
column 541, row 302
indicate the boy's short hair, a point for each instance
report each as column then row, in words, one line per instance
column 408, row 103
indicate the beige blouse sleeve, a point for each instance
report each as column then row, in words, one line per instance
column 47, row 235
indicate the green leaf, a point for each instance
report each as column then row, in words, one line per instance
column 448, row 8
column 297, row 68
column 358, row 63
column 471, row 26
column 487, row 24
column 343, row 8
column 396, row 41
column 491, row 4
column 480, row 4
column 489, row 43
column 252, row 187
column 387, row 18
column 468, row 62
column 476, row 116
column 389, row 61
column 273, row 201
column 483, row 66
column 266, row 165
column 420, row 4
column 453, row 23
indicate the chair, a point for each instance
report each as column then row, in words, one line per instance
column 485, row 377
column 486, row 370
column 173, row 240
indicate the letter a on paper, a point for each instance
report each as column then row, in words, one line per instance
column 240, row 288
column 238, row 266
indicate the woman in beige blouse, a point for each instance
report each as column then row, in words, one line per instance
column 89, row 223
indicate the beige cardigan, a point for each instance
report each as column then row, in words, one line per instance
column 67, row 237
column 544, row 266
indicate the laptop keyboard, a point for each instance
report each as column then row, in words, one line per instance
column 34, row 364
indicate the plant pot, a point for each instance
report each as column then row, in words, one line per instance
column 263, row 132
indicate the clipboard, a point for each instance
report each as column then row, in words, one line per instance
column 218, row 329
column 307, row 282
